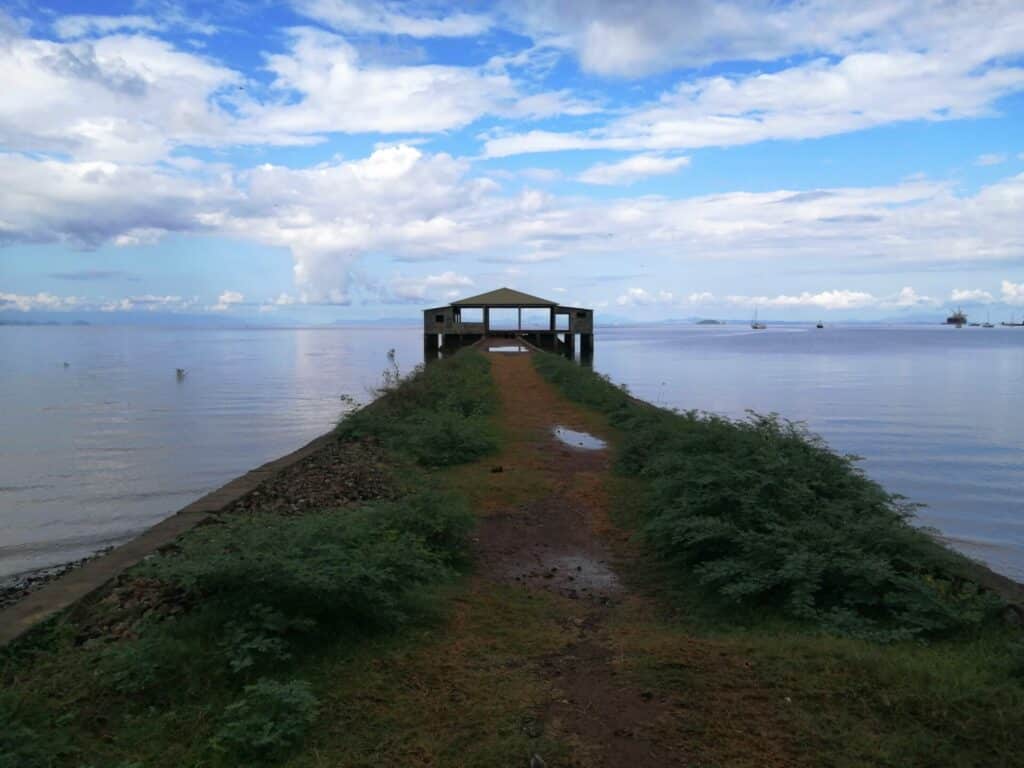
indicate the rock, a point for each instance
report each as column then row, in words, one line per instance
column 497, row 469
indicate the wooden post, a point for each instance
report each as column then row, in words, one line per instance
column 552, row 326
column 487, row 320
column 519, row 323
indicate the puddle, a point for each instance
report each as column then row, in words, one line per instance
column 575, row 576
column 509, row 348
column 575, row 439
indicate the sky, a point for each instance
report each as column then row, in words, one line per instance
column 319, row 161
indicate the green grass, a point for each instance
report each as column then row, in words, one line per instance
column 232, row 675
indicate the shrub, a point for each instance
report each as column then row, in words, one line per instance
column 438, row 416
column 761, row 513
column 23, row 746
column 361, row 566
column 269, row 719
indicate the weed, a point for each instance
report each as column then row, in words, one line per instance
column 270, row 718
column 440, row 415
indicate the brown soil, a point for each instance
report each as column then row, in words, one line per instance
column 555, row 544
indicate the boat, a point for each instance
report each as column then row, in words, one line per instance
column 755, row 324
column 958, row 318
column 819, row 324
column 1013, row 323
column 988, row 321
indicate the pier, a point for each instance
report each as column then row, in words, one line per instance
column 500, row 314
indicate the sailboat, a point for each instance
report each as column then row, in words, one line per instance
column 756, row 325
column 988, row 321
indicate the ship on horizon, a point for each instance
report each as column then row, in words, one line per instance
column 958, row 318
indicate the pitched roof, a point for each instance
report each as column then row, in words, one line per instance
column 504, row 297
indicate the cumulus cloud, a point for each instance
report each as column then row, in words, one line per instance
column 390, row 18
column 819, row 98
column 446, row 285
column 129, row 98
column 1013, row 293
column 409, row 205
column 619, row 39
column 970, row 295
column 908, row 297
column 632, row 169
column 834, row 299
column 227, row 300
column 640, row 297
column 38, row 301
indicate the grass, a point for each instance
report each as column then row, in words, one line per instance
column 233, row 673
column 756, row 637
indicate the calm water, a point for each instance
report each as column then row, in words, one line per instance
column 95, row 452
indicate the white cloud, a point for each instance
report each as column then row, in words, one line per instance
column 1013, row 293
column 87, row 204
column 834, row 299
column 975, row 295
column 990, row 159
column 38, row 301
column 227, row 300
column 405, row 204
column 811, row 100
column 68, row 27
column 129, row 98
column 336, row 92
column 701, row 297
column 640, row 297
column 389, row 18
column 610, row 37
column 632, row 169
column 908, row 297
column 445, row 285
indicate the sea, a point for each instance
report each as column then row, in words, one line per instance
column 100, row 437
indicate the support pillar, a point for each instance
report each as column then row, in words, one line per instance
column 487, row 320
column 569, row 348
column 430, row 348
column 586, row 344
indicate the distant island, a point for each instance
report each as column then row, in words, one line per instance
column 710, row 322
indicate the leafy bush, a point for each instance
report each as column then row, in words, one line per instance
column 270, row 718
column 361, row 566
column 21, row 745
column 761, row 513
column 261, row 636
column 439, row 416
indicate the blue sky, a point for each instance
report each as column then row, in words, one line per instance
column 323, row 160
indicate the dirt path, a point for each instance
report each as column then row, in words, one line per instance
column 563, row 543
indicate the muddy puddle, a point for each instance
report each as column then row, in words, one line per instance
column 576, row 439
column 576, row 576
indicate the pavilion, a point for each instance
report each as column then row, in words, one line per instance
column 499, row 313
